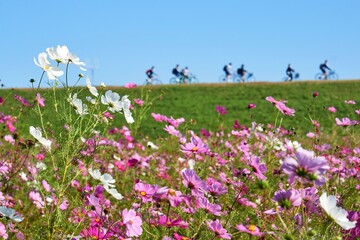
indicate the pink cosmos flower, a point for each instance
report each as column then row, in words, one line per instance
column 305, row 167
column 221, row 110
column 195, row 146
column 250, row 229
column 251, row 106
column 133, row 223
column 35, row 197
column 345, row 122
column 245, row 202
column 258, row 168
column 310, row 135
column 174, row 122
column 192, row 181
column 64, row 205
column 145, row 191
column 172, row 130
column 289, row 198
column 217, row 228
column 95, row 232
column 357, row 112
column 158, row 117
column 216, row 188
column 204, row 203
column 130, row 85
column 46, row 185
column 332, row 109
column 22, row 100
column 168, row 222
column 354, row 232
column 108, row 115
column 40, row 100
column 138, row 101
column 280, row 105
column 350, row 102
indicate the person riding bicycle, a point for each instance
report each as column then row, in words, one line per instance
column 323, row 68
column 228, row 71
column 289, row 72
column 176, row 71
column 150, row 73
column 185, row 74
column 242, row 72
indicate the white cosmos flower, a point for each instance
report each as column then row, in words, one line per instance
column 62, row 54
column 107, row 180
column 52, row 72
column 36, row 133
column 95, row 173
column 112, row 99
column 80, row 108
column 126, row 109
column 92, row 89
column 339, row 215
column 10, row 213
column 114, row 193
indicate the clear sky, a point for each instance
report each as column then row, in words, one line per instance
column 121, row 39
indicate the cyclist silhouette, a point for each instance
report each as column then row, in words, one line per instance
column 289, row 72
column 176, row 71
column 323, row 67
column 185, row 74
column 242, row 72
column 228, row 71
column 150, row 73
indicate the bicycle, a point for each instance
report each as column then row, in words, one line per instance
column 181, row 80
column 153, row 81
column 233, row 78
column 331, row 75
column 249, row 78
column 296, row 76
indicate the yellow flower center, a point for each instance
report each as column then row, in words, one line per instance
column 142, row 193
column 252, row 228
column 194, row 149
column 47, row 67
column 171, row 192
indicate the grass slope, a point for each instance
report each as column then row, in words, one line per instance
column 197, row 103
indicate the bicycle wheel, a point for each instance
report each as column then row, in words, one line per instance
column 193, row 80
column 285, row 79
column 156, row 81
column 174, row 80
column 333, row 76
column 319, row 76
column 222, row 78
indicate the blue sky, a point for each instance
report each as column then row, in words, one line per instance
column 124, row 38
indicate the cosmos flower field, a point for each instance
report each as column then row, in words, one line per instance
column 93, row 178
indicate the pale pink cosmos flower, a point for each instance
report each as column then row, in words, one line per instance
column 195, row 146
column 350, row 102
column 332, row 109
column 280, row 105
column 250, row 229
column 36, row 198
column 310, row 135
column 172, row 130
column 204, row 203
column 40, row 100
column 217, row 228
column 46, row 185
column 145, row 191
column 357, row 112
column 132, row 222
column 289, row 198
column 346, row 122
column 138, row 101
column 3, row 232
column 306, row 167
column 64, row 205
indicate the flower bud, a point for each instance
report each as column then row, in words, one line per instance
column 315, row 94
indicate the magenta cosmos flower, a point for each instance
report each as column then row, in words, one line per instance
column 221, row 110
column 217, row 228
column 332, row 109
column 250, row 229
column 133, row 223
column 251, row 105
column 306, row 167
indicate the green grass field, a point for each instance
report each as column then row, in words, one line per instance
column 197, row 103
